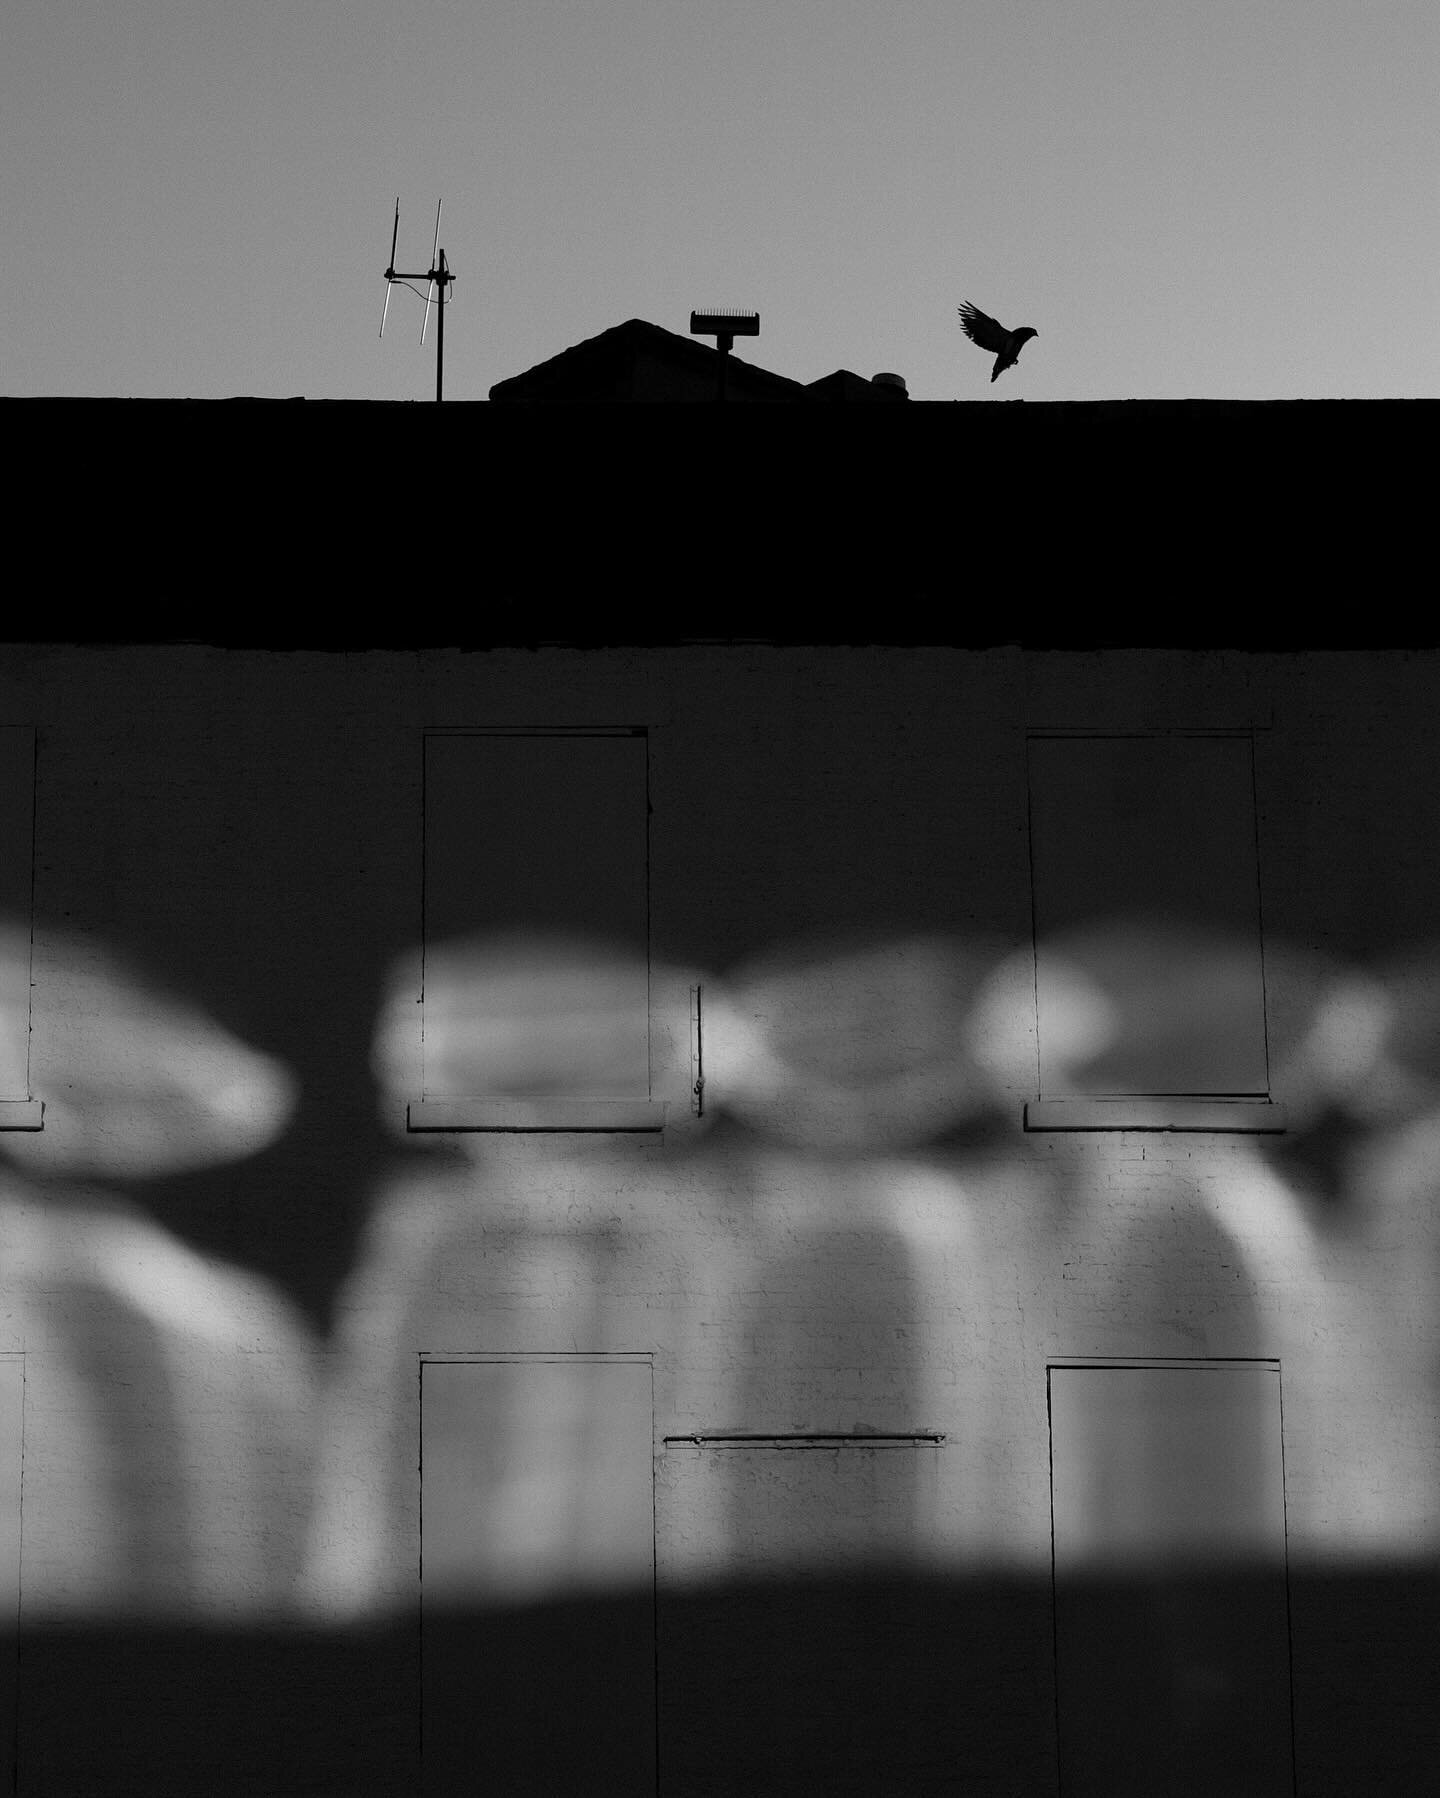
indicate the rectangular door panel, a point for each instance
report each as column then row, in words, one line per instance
column 1171, row 1610
column 537, row 1576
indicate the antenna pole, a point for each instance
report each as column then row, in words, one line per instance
column 440, row 340
column 439, row 277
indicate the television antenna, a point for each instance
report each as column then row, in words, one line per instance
column 439, row 277
column 724, row 325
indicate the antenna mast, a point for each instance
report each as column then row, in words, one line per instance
column 724, row 325
column 438, row 275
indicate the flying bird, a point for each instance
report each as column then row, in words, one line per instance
column 980, row 328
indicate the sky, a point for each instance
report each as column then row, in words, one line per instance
column 1232, row 200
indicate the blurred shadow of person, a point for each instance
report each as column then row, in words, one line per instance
column 167, row 1396
column 838, row 1064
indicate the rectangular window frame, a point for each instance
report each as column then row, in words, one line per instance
column 1226, row 1114
column 539, row 1116
column 23, row 1111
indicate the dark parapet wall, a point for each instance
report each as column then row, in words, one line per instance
column 1289, row 523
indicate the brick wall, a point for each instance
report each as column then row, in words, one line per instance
column 225, row 1255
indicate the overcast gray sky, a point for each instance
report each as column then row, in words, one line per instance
column 1234, row 199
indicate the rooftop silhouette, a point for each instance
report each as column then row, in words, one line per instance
column 638, row 361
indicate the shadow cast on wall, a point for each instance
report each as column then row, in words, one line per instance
column 199, row 1503
column 857, row 1686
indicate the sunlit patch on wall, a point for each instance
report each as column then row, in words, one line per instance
column 737, row 1506
column 848, row 1044
column 530, row 1016
column 535, row 1477
column 531, row 1030
column 135, row 1081
column 1138, row 1005
column 170, row 1403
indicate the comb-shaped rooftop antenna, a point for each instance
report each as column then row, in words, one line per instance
column 437, row 276
column 724, row 324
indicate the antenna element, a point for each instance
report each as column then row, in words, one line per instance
column 438, row 277
column 390, row 272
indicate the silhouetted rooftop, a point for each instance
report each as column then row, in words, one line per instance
column 638, row 361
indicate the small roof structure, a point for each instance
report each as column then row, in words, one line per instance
column 843, row 385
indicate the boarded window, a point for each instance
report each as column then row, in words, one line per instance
column 537, row 1575
column 17, row 808
column 1171, row 1611
column 536, row 926
column 1149, row 972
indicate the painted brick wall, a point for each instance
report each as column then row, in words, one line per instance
column 224, row 1254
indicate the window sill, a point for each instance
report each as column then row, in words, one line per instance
column 803, row 1439
column 22, row 1114
column 536, row 1114
column 1248, row 1117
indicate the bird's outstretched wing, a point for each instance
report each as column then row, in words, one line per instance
column 980, row 328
